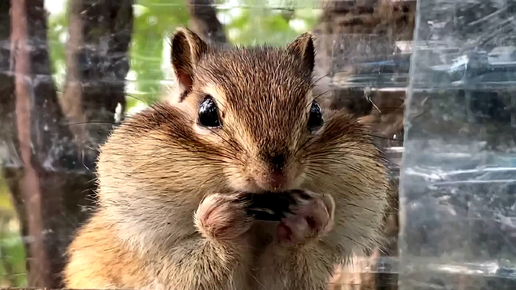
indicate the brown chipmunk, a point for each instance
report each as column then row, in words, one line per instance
column 173, row 180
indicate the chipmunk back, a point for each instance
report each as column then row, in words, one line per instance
column 172, row 180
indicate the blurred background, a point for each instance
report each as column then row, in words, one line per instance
column 72, row 70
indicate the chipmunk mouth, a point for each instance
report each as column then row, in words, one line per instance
column 271, row 206
column 268, row 206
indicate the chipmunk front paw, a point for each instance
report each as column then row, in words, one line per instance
column 222, row 217
column 311, row 216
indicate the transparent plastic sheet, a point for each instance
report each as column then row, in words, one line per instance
column 458, row 178
column 115, row 65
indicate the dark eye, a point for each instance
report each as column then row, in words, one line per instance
column 315, row 119
column 208, row 113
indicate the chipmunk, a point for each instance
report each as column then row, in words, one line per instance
column 173, row 180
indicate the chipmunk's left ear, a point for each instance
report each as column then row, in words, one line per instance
column 303, row 48
column 187, row 50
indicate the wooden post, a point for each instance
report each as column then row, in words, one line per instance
column 29, row 182
column 48, row 167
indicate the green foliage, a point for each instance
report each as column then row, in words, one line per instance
column 5, row 200
column 12, row 252
column 57, row 35
column 263, row 25
column 12, row 255
column 154, row 22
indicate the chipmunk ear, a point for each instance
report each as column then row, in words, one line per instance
column 303, row 48
column 187, row 50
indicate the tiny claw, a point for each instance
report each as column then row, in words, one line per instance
column 311, row 217
column 220, row 217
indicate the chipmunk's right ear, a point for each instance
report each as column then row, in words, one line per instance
column 303, row 48
column 187, row 50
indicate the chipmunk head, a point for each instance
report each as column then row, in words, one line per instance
column 255, row 109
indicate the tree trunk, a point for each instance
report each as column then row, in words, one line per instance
column 203, row 20
column 93, row 97
column 47, row 160
column 37, row 142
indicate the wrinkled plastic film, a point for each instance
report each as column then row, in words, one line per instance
column 458, row 177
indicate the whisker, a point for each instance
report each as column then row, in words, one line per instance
column 302, row 147
column 321, row 94
column 319, row 79
column 383, row 137
column 232, row 144
column 89, row 123
column 138, row 99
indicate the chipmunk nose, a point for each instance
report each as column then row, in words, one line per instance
column 271, row 181
column 274, row 177
column 277, row 162
column 277, row 180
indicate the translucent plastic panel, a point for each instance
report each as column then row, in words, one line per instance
column 72, row 70
column 458, row 181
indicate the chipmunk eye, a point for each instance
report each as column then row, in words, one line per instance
column 208, row 113
column 315, row 119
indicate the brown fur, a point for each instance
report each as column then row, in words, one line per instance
column 167, row 217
